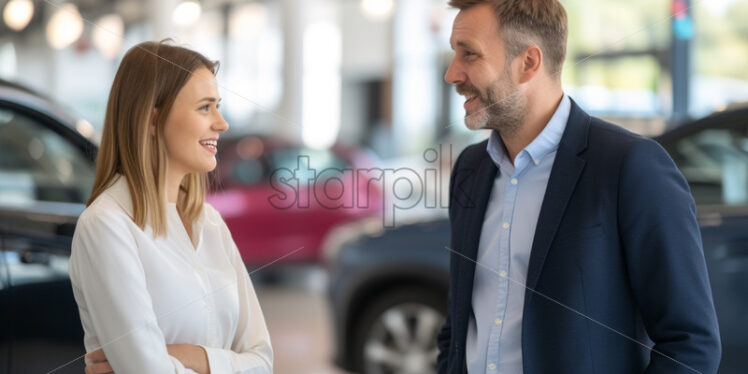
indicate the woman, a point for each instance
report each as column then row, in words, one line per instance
column 159, row 282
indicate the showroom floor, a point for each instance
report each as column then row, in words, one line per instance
column 297, row 315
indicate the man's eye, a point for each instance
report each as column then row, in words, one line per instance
column 469, row 54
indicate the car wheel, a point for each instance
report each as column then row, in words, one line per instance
column 398, row 333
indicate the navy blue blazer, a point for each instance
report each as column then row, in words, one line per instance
column 617, row 281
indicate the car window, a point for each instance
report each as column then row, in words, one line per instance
column 715, row 163
column 38, row 164
column 248, row 172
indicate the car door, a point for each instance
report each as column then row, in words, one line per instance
column 314, row 212
column 4, row 312
column 45, row 179
column 269, row 222
column 714, row 159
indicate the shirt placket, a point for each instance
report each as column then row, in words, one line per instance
column 510, row 197
column 507, row 215
column 201, row 274
column 206, row 301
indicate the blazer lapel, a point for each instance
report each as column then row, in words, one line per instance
column 469, row 237
column 481, row 191
column 567, row 168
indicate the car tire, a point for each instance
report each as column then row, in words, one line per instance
column 397, row 332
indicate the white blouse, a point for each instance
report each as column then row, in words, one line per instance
column 136, row 294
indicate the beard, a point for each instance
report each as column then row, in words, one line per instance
column 503, row 107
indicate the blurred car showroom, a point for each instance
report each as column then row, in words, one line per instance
column 355, row 279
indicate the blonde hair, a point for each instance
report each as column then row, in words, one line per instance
column 150, row 77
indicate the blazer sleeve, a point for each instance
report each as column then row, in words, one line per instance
column 115, row 307
column 665, row 259
column 251, row 351
column 443, row 343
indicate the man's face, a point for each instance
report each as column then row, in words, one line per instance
column 481, row 73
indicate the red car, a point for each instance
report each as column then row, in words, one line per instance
column 281, row 200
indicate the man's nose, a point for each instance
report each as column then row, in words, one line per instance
column 454, row 74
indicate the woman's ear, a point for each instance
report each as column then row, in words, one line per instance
column 152, row 125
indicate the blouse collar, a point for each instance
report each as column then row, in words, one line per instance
column 120, row 193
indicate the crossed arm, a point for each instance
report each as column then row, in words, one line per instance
column 191, row 356
column 118, row 316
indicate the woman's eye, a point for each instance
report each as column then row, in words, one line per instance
column 205, row 108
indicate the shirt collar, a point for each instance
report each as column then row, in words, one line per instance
column 546, row 142
column 120, row 193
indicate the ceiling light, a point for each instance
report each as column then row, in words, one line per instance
column 186, row 13
column 18, row 13
column 64, row 27
column 377, row 10
column 107, row 35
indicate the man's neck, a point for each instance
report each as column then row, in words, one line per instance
column 540, row 111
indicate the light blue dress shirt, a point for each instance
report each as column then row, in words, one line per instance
column 494, row 339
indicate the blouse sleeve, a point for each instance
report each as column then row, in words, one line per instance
column 115, row 307
column 251, row 352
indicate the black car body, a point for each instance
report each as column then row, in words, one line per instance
column 384, row 282
column 46, row 170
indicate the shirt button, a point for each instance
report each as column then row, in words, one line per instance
column 514, row 181
column 537, row 162
column 491, row 367
column 505, row 225
column 497, row 321
column 502, row 274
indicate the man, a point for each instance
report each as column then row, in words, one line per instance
column 575, row 247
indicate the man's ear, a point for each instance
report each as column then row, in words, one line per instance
column 531, row 61
column 152, row 124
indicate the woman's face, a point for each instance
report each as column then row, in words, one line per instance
column 193, row 125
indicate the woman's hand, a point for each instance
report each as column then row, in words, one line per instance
column 191, row 356
column 96, row 363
